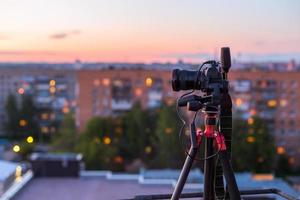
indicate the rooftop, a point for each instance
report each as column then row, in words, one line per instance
column 86, row 188
column 106, row 185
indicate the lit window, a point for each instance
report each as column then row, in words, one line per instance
column 272, row 103
column 283, row 103
column 250, row 139
column 52, row 82
column 106, row 140
column 22, row 122
column 239, row 102
column 250, row 121
column 118, row 159
column 45, row 116
column 21, row 91
column 106, row 81
column 168, row 130
column 148, row 149
column 280, row 150
column 66, row 110
column 52, row 89
column 149, row 81
column 138, row 92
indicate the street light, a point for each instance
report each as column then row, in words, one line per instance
column 29, row 139
column 16, row 148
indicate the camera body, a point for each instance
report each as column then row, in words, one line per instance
column 209, row 79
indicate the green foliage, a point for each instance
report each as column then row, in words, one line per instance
column 283, row 167
column 98, row 154
column 26, row 149
column 167, row 145
column 66, row 137
column 28, row 112
column 12, row 124
column 152, row 137
column 138, row 125
column 253, row 146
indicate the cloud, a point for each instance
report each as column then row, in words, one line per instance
column 202, row 55
column 64, row 35
column 25, row 52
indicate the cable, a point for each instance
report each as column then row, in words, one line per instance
column 181, row 131
column 194, row 118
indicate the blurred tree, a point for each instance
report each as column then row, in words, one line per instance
column 283, row 167
column 98, row 145
column 66, row 137
column 253, row 146
column 11, row 125
column 26, row 149
column 168, row 151
column 138, row 125
column 28, row 118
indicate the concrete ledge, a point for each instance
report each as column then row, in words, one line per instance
column 17, row 186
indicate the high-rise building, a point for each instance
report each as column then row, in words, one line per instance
column 52, row 88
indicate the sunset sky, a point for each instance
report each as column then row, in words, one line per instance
column 148, row 30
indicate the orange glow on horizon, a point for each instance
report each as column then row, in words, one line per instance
column 113, row 31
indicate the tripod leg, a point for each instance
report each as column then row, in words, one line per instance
column 209, row 171
column 229, row 176
column 184, row 173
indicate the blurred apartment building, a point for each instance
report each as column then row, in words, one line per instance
column 268, row 90
column 52, row 88
column 112, row 90
column 273, row 96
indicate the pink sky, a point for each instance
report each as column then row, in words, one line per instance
column 146, row 31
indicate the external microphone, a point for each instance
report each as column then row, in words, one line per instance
column 225, row 59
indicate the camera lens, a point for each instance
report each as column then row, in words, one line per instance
column 184, row 80
column 175, row 80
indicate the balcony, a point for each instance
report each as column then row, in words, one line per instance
column 42, row 86
column 121, row 105
column 155, row 95
column 43, row 100
column 154, row 98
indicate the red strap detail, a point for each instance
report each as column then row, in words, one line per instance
column 220, row 142
column 209, row 131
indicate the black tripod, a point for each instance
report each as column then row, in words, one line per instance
column 216, row 104
column 211, row 136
